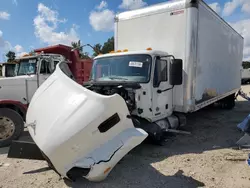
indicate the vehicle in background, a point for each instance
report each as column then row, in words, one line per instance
column 245, row 75
column 16, row 92
column 9, row 69
column 135, row 92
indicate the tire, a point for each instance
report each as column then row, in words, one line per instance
column 17, row 120
column 228, row 103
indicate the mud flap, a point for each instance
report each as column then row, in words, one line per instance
column 25, row 150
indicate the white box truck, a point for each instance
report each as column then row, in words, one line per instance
column 170, row 59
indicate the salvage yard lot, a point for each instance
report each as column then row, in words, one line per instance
column 203, row 159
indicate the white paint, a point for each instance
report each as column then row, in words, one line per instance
column 155, row 27
column 211, row 59
column 220, row 54
column 157, row 8
column 184, row 35
column 132, row 4
column 22, row 88
column 77, row 141
column 245, row 73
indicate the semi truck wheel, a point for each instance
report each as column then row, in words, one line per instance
column 11, row 126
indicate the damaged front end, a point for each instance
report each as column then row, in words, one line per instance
column 80, row 133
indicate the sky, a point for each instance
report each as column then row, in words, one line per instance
column 29, row 24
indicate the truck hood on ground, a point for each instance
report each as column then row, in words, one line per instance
column 77, row 128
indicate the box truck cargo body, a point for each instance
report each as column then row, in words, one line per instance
column 190, row 30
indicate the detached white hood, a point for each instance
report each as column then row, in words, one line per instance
column 72, row 126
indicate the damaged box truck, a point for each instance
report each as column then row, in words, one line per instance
column 170, row 59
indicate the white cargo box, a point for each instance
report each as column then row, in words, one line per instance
column 210, row 48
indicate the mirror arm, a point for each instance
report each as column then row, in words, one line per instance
column 160, row 91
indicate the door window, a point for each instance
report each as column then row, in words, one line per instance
column 45, row 67
column 161, row 72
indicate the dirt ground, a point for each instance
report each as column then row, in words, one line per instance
column 203, row 159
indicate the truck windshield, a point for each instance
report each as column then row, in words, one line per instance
column 132, row 68
column 27, row 66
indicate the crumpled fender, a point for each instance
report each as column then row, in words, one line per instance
column 77, row 128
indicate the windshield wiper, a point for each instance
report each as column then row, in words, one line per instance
column 117, row 78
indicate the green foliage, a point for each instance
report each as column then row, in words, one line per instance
column 106, row 48
column 77, row 45
column 246, row 64
column 97, row 48
column 11, row 56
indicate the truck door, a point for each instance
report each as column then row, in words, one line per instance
column 162, row 91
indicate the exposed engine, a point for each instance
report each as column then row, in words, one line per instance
column 127, row 93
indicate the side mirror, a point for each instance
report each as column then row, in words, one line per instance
column 175, row 77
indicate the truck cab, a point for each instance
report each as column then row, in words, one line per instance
column 32, row 71
column 9, row 69
column 16, row 92
column 145, row 79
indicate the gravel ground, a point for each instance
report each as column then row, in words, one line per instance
column 203, row 159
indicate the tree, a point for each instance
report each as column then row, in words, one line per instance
column 77, row 45
column 246, row 64
column 106, row 48
column 97, row 48
column 11, row 56
column 85, row 55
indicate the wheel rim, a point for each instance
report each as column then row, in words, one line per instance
column 7, row 128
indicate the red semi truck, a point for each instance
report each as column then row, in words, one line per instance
column 16, row 92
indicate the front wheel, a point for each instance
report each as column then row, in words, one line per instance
column 11, row 126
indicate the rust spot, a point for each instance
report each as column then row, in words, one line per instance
column 207, row 94
column 106, row 170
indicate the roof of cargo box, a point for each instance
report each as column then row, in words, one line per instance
column 167, row 6
column 160, row 7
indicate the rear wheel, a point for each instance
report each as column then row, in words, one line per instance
column 11, row 126
column 228, row 102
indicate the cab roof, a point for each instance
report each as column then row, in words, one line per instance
column 149, row 52
column 37, row 55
